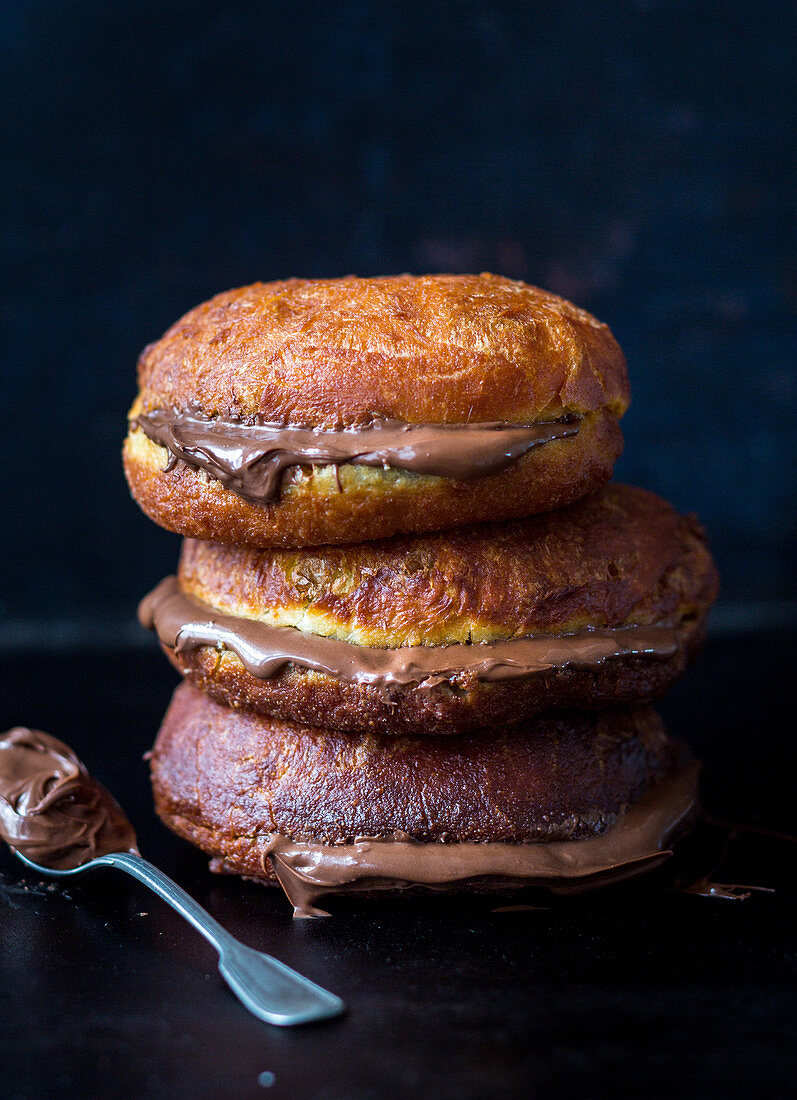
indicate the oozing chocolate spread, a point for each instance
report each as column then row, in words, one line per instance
column 250, row 458
column 637, row 842
column 183, row 623
column 51, row 809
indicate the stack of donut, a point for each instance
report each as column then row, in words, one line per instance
column 419, row 630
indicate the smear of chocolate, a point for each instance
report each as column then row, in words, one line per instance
column 184, row 623
column 706, row 888
column 712, row 844
column 636, row 843
column 250, row 457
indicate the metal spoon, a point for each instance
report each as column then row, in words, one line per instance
column 270, row 990
column 51, row 807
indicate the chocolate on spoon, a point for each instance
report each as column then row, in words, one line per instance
column 51, row 810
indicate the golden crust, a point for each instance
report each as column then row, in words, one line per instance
column 332, row 505
column 620, row 557
column 434, row 348
column 227, row 780
column 325, row 353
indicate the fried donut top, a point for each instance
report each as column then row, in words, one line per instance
column 433, row 349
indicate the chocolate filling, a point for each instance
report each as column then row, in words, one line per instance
column 183, row 623
column 637, row 842
column 250, row 457
column 51, row 809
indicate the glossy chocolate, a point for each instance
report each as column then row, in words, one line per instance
column 183, row 623
column 250, row 458
column 637, row 842
column 51, row 810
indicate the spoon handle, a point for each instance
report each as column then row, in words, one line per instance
column 268, row 988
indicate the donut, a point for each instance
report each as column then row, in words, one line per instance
column 596, row 604
column 313, row 412
column 566, row 802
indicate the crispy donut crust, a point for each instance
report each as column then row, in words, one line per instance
column 435, row 349
column 226, row 780
column 621, row 557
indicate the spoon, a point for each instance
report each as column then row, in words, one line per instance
column 53, row 810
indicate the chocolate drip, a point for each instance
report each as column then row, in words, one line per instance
column 706, row 884
column 707, row 888
column 637, row 842
column 183, row 623
column 51, row 809
column 250, row 458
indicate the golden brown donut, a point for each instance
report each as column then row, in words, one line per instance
column 452, row 350
column 620, row 565
column 259, row 794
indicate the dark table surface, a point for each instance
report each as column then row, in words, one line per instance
column 641, row 990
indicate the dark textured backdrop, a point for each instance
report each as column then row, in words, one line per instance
column 633, row 156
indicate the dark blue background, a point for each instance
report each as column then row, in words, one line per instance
column 635, row 156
